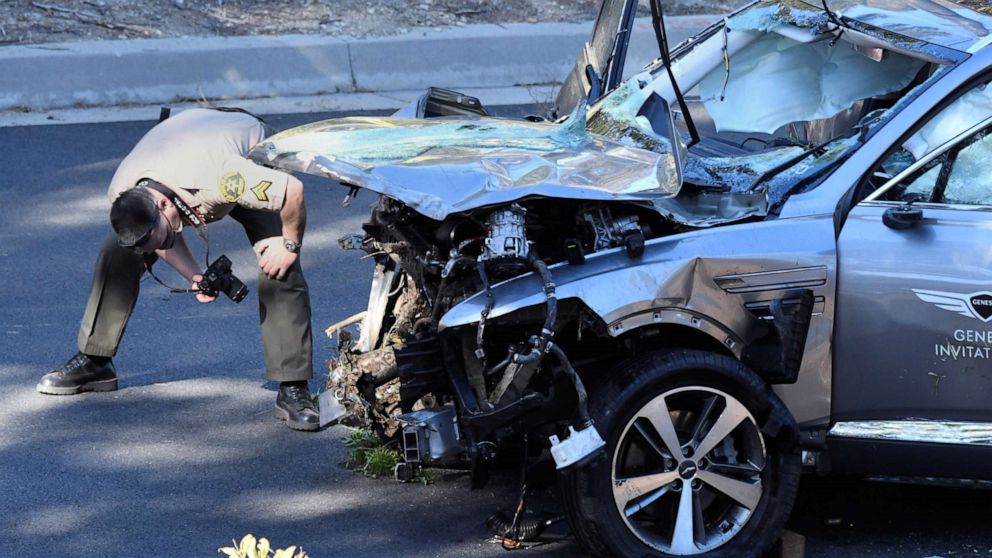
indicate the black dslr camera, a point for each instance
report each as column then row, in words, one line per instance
column 219, row 279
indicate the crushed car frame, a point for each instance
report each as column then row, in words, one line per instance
column 768, row 249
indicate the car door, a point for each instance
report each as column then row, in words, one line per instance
column 913, row 336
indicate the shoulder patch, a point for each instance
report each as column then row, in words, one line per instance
column 232, row 186
column 259, row 190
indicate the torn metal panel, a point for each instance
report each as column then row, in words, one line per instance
column 769, row 15
column 775, row 81
column 446, row 165
column 919, row 430
column 700, row 209
column 605, row 52
column 383, row 281
column 935, row 21
column 912, row 23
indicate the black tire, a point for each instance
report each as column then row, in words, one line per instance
column 617, row 408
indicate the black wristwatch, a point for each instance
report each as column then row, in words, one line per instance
column 292, row 246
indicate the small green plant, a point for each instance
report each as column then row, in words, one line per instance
column 424, row 476
column 368, row 454
column 359, row 443
column 249, row 547
column 380, row 462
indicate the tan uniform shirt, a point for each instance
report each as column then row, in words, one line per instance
column 200, row 154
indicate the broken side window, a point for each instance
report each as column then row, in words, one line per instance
column 970, row 179
column 960, row 175
column 947, row 160
column 968, row 110
column 917, row 187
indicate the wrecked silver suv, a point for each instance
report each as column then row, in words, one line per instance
column 768, row 249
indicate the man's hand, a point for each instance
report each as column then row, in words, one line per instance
column 275, row 259
column 204, row 299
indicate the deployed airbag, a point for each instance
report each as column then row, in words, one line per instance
column 965, row 112
column 775, row 81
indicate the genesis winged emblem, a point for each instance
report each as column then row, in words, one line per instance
column 975, row 305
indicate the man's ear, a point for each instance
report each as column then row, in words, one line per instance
column 163, row 203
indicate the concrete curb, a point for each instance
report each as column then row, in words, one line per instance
column 151, row 71
column 329, row 102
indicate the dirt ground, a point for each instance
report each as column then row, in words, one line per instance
column 44, row 21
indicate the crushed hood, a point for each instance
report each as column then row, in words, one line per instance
column 446, row 165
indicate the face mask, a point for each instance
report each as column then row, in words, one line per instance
column 170, row 234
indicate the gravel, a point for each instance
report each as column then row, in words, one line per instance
column 46, row 21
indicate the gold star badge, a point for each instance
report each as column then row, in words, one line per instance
column 232, row 186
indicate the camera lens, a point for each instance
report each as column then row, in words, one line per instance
column 236, row 290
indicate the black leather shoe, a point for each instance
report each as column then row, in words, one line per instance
column 78, row 375
column 295, row 406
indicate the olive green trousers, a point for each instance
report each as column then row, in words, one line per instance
column 284, row 306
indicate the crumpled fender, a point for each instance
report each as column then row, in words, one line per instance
column 694, row 279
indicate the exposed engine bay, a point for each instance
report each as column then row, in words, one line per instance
column 510, row 369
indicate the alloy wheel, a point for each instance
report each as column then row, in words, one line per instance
column 686, row 470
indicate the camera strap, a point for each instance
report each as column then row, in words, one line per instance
column 148, row 260
column 186, row 213
column 189, row 216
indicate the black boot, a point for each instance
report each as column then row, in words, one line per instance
column 81, row 373
column 295, row 406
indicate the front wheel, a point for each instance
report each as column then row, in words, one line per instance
column 700, row 461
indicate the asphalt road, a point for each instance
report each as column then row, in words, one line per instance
column 186, row 456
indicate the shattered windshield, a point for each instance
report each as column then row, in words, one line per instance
column 746, row 173
column 782, row 92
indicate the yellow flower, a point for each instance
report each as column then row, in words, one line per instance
column 249, row 547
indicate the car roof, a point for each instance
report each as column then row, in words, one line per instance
column 964, row 25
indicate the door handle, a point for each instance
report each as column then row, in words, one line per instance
column 902, row 217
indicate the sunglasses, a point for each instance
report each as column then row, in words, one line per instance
column 139, row 243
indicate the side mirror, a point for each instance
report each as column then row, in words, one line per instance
column 902, row 218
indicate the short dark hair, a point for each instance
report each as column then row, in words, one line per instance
column 132, row 214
